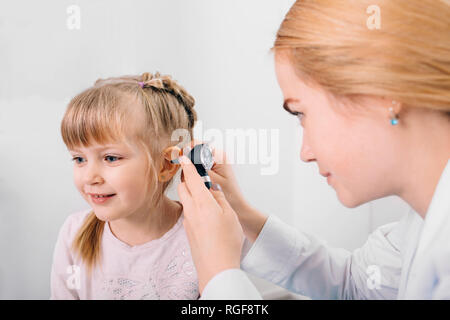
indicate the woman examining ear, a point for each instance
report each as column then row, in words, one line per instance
column 374, row 106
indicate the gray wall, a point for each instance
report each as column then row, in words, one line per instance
column 219, row 50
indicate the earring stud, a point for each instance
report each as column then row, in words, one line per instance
column 394, row 118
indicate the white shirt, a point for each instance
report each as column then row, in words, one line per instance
column 408, row 259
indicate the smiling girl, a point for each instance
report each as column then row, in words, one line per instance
column 131, row 243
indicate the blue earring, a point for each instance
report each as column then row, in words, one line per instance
column 394, row 118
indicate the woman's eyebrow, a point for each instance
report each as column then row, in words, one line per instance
column 286, row 107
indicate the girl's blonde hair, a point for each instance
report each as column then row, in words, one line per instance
column 106, row 113
column 407, row 59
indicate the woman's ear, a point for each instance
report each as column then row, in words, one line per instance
column 168, row 169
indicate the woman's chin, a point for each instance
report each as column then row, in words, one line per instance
column 349, row 200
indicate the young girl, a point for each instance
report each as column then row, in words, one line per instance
column 131, row 244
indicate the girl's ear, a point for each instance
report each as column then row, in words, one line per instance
column 168, row 169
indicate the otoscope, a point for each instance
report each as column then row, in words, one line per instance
column 202, row 158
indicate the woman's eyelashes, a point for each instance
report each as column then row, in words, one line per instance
column 108, row 158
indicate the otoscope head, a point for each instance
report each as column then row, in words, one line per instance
column 201, row 157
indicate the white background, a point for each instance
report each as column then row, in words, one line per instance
column 219, row 50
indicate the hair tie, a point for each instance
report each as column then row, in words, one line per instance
column 141, row 84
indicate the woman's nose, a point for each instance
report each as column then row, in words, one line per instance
column 306, row 153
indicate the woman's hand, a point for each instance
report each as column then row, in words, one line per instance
column 212, row 227
column 222, row 173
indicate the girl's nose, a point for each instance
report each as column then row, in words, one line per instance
column 93, row 175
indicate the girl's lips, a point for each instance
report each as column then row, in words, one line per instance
column 100, row 200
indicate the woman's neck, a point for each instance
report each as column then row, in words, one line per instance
column 422, row 186
column 424, row 163
column 147, row 225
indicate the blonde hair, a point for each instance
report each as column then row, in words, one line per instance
column 407, row 59
column 104, row 114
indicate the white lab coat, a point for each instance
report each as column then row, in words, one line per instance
column 408, row 259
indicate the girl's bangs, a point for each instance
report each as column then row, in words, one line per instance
column 94, row 117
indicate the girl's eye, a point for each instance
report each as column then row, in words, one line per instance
column 79, row 160
column 112, row 158
column 76, row 159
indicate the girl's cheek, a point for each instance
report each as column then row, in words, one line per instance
column 77, row 179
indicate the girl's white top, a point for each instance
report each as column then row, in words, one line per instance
column 159, row 269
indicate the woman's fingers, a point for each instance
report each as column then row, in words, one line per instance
column 219, row 156
column 185, row 197
column 193, row 181
column 218, row 179
column 219, row 196
column 183, row 192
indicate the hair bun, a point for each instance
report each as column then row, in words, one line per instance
column 166, row 83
